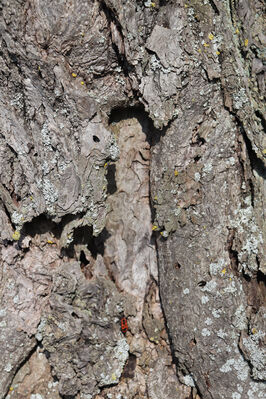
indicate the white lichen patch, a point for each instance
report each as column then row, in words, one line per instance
column 49, row 191
column 207, row 168
column 244, row 222
column 205, row 332
column 240, row 98
column 231, row 288
column 256, row 390
column 112, row 372
column 36, row 396
column 188, row 380
column 239, row 366
column 257, row 355
column 210, row 286
column 197, row 176
column 240, row 318
column 216, row 268
column 17, row 218
column 121, row 351
column 186, row 291
column 204, row 299
column 45, row 135
column 208, row 321
column 221, row 333
column 217, row 313
column 8, row 367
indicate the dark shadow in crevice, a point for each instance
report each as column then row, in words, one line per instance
column 262, row 119
column 110, row 177
column 261, row 282
column 130, row 366
column 153, row 135
column 83, row 260
column 233, row 255
column 256, row 163
column 83, row 235
column 43, row 224
column 214, row 7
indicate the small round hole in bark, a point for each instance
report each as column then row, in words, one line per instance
column 96, row 139
column 202, row 283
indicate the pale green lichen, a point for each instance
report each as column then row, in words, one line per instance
column 205, row 332
column 217, row 267
column 240, row 98
column 188, row 380
column 256, row 390
column 239, row 366
column 17, row 218
column 240, row 318
column 204, row 299
column 217, row 313
column 257, row 354
column 210, row 286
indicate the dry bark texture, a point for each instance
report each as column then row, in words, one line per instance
column 132, row 170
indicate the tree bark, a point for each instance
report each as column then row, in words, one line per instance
column 132, row 170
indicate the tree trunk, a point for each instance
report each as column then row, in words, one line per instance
column 131, row 188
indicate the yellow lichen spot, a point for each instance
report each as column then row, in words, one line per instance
column 199, row 50
column 253, row 330
column 186, row 6
column 39, row 68
column 218, row 52
column 246, row 43
column 82, row 34
column 74, row 74
column 11, row 389
column 264, row 151
column 211, row 37
column 82, row 83
column 16, row 235
column 153, row 4
column 206, row 44
column 31, row 197
column 230, row 278
column 50, row 242
column 113, row 377
column 154, row 227
column 237, row 31
column 224, row 271
column 155, row 198
column 176, row 173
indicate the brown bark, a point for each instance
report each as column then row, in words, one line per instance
column 132, row 170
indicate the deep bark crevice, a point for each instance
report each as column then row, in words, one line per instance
column 256, row 163
column 214, row 7
column 21, row 364
column 153, row 134
column 121, row 58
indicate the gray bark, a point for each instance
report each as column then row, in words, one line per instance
column 132, row 170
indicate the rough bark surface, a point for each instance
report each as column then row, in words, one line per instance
column 132, row 168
